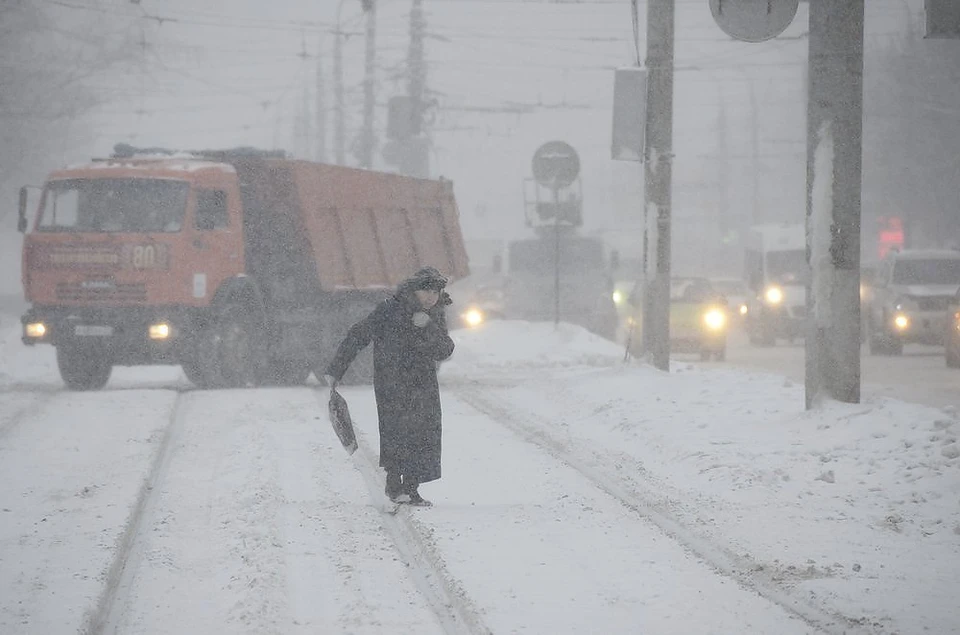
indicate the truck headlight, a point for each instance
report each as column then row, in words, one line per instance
column 473, row 317
column 743, row 309
column 159, row 331
column 714, row 319
column 617, row 298
column 774, row 295
column 35, row 330
column 901, row 322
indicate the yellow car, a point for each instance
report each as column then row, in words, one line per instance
column 699, row 319
column 952, row 341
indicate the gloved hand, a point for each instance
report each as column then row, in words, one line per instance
column 445, row 299
column 420, row 319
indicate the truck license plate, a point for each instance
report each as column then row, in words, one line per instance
column 95, row 331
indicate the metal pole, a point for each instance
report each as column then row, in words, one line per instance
column 660, row 27
column 338, row 91
column 321, row 108
column 556, row 257
column 834, row 173
column 415, row 158
column 366, row 142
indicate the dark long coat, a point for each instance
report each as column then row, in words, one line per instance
column 405, row 359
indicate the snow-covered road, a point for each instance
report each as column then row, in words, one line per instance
column 579, row 495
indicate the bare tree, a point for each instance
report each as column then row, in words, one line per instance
column 49, row 53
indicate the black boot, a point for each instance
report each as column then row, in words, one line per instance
column 410, row 488
column 394, row 488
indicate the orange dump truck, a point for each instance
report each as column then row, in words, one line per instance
column 244, row 267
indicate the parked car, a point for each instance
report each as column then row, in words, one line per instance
column 699, row 319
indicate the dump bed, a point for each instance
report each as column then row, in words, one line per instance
column 357, row 229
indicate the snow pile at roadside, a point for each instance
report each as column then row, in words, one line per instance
column 520, row 345
column 856, row 503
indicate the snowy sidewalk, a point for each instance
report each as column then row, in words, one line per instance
column 855, row 506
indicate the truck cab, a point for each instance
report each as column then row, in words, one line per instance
column 585, row 281
column 122, row 256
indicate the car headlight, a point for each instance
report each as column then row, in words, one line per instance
column 159, row 331
column 617, row 298
column 901, row 322
column 743, row 309
column 714, row 319
column 473, row 317
column 35, row 330
column 774, row 295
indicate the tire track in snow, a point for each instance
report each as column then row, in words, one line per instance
column 36, row 403
column 443, row 593
column 651, row 505
column 109, row 611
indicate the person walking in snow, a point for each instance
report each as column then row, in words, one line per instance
column 409, row 336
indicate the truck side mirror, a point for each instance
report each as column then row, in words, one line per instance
column 22, row 219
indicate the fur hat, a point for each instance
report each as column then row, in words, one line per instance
column 429, row 278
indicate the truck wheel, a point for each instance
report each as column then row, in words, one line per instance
column 83, row 367
column 241, row 350
column 231, row 351
column 194, row 372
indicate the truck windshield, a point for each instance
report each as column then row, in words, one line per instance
column 113, row 205
column 787, row 267
column 932, row 271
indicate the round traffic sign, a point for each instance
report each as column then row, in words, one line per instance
column 556, row 164
column 754, row 20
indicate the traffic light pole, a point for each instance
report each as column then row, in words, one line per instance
column 834, row 173
column 657, row 178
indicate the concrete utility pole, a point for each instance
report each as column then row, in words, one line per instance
column 834, row 160
column 657, row 172
column 369, row 81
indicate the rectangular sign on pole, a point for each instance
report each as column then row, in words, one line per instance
column 943, row 19
column 629, row 114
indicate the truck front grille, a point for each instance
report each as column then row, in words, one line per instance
column 120, row 292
